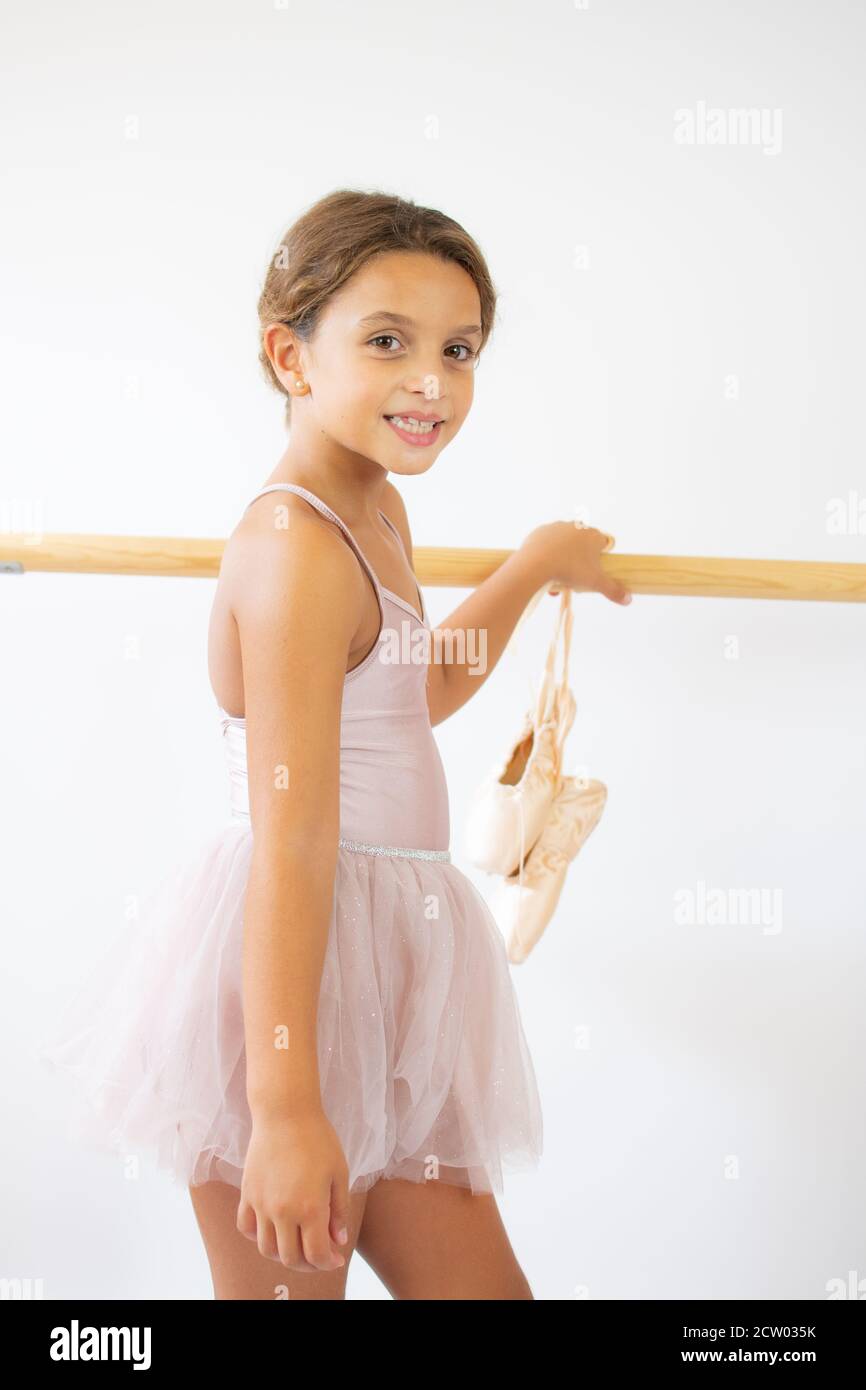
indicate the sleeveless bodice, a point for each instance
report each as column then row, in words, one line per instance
column 392, row 782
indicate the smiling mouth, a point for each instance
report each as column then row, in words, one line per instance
column 411, row 425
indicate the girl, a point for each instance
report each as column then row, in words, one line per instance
column 317, row 1029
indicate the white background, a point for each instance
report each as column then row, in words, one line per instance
column 707, row 1140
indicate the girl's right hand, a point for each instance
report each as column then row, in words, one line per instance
column 295, row 1191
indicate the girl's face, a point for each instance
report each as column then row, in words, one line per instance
column 399, row 339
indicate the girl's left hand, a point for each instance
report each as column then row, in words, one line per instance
column 569, row 556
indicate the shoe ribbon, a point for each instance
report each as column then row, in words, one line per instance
column 557, row 703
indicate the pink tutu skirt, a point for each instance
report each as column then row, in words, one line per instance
column 424, row 1068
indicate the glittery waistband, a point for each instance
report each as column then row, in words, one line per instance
column 364, row 848
column 443, row 854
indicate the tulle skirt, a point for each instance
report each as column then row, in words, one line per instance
column 424, row 1068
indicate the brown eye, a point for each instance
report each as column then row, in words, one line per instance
column 468, row 350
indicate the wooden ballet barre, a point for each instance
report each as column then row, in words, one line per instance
column 689, row 576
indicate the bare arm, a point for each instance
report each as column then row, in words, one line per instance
column 467, row 645
column 299, row 602
column 473, row 637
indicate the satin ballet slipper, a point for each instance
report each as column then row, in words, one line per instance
column 512, row 805
column 526, row 900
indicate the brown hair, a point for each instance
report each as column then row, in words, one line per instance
column 334, row 238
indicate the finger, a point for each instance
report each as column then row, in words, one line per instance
column 267, row 1241
column 290, row 1247
column 615, row 590
column 246, row 1219
column 607, row 540
column 317, row 1244
column 339, row 1228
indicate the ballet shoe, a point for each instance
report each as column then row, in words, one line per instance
column 512, row 804
column 526, row 899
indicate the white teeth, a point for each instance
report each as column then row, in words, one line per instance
column 413, row 426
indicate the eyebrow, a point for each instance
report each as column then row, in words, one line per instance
column 386, row 316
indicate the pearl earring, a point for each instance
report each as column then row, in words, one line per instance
column 300, row 384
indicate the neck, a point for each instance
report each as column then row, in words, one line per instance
column 351, row 485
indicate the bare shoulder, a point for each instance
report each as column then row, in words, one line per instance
column 284, row 555
column 395, row 509
column 297, row 598
column 282, row 545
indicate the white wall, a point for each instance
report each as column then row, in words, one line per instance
column 679, row 349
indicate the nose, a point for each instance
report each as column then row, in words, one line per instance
column 428, row 385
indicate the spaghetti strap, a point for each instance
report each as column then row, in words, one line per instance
column 332, row 516
column 393, row 527
column 418, row 588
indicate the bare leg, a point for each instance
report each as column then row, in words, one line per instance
column 436, row 1240
column 237, row 1268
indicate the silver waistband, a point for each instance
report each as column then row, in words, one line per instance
column 443, row 854
column 363, row 847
